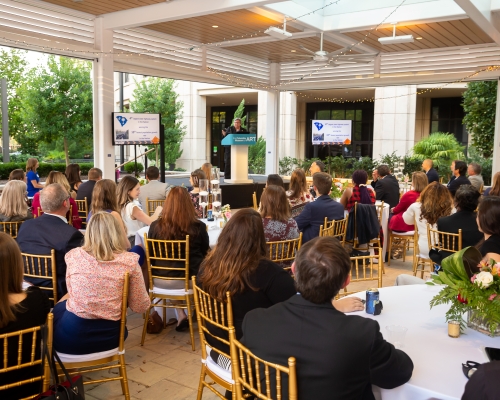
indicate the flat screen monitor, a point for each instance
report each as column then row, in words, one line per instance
column 136, row 128
column 331, row 131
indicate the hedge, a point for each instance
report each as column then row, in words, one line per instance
column 43, row 169
column 130, row 167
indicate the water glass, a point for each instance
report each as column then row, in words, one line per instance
column 396, row 335
column 216, row 204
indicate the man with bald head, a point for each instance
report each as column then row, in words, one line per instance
column 432, row 175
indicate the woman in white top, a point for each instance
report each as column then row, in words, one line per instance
column 434, row 202
column 134, row 218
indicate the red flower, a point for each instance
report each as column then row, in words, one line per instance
column 492, row 297
column 461, row 299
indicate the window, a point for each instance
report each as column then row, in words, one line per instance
column 447, row 114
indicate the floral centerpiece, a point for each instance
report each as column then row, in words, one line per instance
column 472, row 288
column 143, row 181
column 337, row 189
column 226, row 212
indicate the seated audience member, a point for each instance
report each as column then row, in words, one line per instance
column 207, row 169
column 32, row 177
column 375, row 178
column 298, row 195
column 17, row 175
column 344, row 355
column 19, row 310
column 51, row 231
column 466, row 200
column 194, row 180
column 475, row 178
column 458, row 170
column 154, row 190
column 483, row 384
column 58, row 177
column 86, row 188
column 359, row 193
column 435, row 202
column 276, row 218
column 317, row 166
column 13, row 205
column 274, row 179
column 428, row 167
column 82, row 325
column 488, row 215
column 494, row 190
column 178, row 220
column 73, row 175
column 418, row 183
column 387, row 188
column 134, row 218
column 314, row 213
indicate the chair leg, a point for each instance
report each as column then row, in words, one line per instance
column 124, row 380
column 164, row 313
column 200, row 385
column 190, row 318
column 415, row 263
column 389, row 250
column 145, row 326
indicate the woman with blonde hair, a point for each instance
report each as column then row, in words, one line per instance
column 207, row 169
column 494, row 190
column 298, row 194
column 434, row 202
column 95, row 277
column 59, row 177
column 32, row 177
column 13, row 205
column 276, row 216
column 19, row 310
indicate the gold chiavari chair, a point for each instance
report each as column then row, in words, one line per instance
column 283, row 252
column 78, row 364
column 216, row 314
column 376, row 240
column 27, row 356
column 444, row 241
column 419, row 262
column 365, row 269
column 254, row 201
column 10, row 228
column 83, row 211
column 152, row 204
column 171, row 253
column 380, row 210
column 336, row 229
column 40, row 266
column 406, row 240
column 259, row 377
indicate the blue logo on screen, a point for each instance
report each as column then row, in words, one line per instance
column 121, row 120
column 319, row 125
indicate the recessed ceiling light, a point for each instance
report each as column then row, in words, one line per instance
column 418, row 38
column 223, row 103
column 215, row 26
column 293, row 51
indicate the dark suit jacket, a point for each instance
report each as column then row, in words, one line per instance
column 387, row 190
column 432, row 176
column 85, row 190
column 314, row 213
column 484, row 384
column 455, row 183
column 338, row 356
column 40, row 235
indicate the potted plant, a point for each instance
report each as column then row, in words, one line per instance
column 472, row 288
column 172, row 153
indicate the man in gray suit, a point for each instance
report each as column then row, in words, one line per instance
column 475, row 178
column 154, row 190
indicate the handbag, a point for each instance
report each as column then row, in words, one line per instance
column 155, row 323
column 70, row 389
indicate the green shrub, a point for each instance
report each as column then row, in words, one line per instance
column 257, row 156
column 130, row 167
column 287, row 165
column 179, row 169
column 338, row 166
column 365, row 164
column 43, row 169
column 412, row 165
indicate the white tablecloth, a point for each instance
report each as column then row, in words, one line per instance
column 214, row 231
column 385, row 222
column 437, row 358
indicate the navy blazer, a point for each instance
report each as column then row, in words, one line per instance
column 455, row 183
column 40, row 235
column 314, row 213
column 432, row 176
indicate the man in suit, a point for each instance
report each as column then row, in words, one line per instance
column 154, row 190
column 51, row 231
column 475, row 178
column 387, row 189
column 314, row 213
column 458, row 169
column 432, row 175
column 338, row 356
column 375, row 177
column 86, row 188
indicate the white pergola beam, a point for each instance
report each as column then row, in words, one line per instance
column 172, row 11
column 264, row 39
column 480, row 12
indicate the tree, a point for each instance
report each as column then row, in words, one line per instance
column 57, row 103
column 157, row 95
column 239, row 114
column 479, row 104
column 13, row 67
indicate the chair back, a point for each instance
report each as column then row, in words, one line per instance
column 10, row 228
column 152, row 205
column 380, row 211
column 254, row 201
column 26, row 356
column 83, row 211
column 444, row 241
column 167, row 255
column 284, row 251
column 259, row 377
column 212, row 313
column 336, row 229
column 123, row 320
column 365, row 269
column 42, row 267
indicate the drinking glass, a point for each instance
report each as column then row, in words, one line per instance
column 396, row 335
column 203, row 195
column 216, row 204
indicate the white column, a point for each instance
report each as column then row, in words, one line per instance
column 103, row 96
column 394, row 120
column 496, row 140
column 288, row 125
column 270, row 107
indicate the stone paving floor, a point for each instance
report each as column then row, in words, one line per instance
column 166, row 367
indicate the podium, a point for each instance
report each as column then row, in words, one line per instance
column 239, row 143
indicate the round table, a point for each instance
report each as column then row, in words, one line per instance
column 437, row 358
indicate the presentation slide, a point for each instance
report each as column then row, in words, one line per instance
column 331, row 131
column 135, row 128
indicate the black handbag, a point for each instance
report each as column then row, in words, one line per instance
column 70, row 389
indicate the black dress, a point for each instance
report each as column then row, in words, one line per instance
column 32, row 312
column 492, row 245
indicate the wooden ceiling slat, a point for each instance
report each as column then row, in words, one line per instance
column 453, row 30
column 429, row 40
column 471, row 30
column 446, row 36
column 97, row 7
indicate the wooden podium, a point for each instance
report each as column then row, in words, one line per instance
column 239, row 143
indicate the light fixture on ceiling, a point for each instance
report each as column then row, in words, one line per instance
column 418, row 38
column 278, row 33
column 395, row 39
column 215, row 26
column 293, row 51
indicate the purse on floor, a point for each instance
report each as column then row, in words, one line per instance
column 155, row 323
